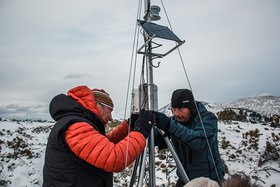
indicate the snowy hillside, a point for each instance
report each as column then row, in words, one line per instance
column 265, row 105
column 250, row 148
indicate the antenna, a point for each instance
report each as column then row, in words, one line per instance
column 146, row 94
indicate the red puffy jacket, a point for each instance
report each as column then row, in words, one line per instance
column 112, row 152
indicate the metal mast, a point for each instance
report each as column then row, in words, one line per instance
column 146, row 95
column 151, row 96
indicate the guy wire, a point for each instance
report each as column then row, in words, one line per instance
column 135, row 44
column 188, row 82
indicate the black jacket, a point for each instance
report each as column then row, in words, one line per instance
column 62, row 167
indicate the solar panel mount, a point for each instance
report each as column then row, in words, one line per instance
column 158, row 31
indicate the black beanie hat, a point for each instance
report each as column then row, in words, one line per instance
column 183, row 98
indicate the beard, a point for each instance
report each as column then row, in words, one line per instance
column 182, row 119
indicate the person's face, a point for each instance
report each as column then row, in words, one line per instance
column 181, row 114
column 105, row 112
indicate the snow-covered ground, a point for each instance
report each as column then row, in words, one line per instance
column 247, row 142
column 22, row 152
column 241, row 146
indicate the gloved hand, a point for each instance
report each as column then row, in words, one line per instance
column 145, row 122
column 131, row 120
column 159, row 140
column 162, row 121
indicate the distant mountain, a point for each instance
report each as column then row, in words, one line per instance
column 264, row 105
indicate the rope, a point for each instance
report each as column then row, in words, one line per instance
column 135, row 44
column 188, row 83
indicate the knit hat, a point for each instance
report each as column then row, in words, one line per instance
column 102, row 97
column 202, row 182
column 183, row 98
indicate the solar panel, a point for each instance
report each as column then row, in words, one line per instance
column 158, row 31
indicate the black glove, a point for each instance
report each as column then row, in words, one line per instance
column 145, row 122
column 132, row 119
column 162, row 121
column 159, row 140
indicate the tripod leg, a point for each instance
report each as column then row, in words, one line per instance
column 181, row 171
column 141, row 165
column 152, row 177
column 151, row 148
column 142, row 168
column 133, row 176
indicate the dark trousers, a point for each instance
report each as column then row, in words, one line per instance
column 179, row 183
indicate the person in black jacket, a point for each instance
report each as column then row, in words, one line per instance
column 193, row 131
column 79, row 152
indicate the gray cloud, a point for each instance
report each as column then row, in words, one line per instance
column 48, row 47
column 24, row 112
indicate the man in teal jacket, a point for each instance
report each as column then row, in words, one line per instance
column 193, row 131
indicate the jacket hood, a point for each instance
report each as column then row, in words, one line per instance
column 78, row 101
column 201, row 107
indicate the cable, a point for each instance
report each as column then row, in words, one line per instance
column 188, row 81
column 135, row 44
column 142, row 81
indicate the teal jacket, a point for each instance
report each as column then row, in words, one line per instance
column 190, row 144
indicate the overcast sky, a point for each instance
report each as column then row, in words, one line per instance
column 47, row 47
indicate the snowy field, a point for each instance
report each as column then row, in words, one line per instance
column 242, row 146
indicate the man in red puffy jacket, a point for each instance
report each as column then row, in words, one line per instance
column 79, row 152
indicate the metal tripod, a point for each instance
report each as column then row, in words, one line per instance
column 146, row 95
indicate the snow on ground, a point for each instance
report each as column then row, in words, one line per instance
column 23, row 147
column 243, row 153
column 22, row 152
